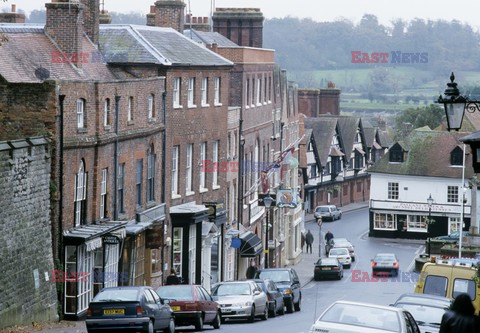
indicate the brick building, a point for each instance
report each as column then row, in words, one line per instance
column 314, row 102
column 243, row 26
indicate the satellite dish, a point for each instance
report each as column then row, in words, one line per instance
column 42, row 73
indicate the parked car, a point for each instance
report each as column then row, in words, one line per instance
column 345, row 317
column 327, row 268
column 453, row 237
column 328, row 212
column 343, row 242
column 288, row 282
column 274, row 295
column 427, row 310
column 241, row 299
column 129, row 308
column 386, row 263
column 342, row 254
column 192, row 305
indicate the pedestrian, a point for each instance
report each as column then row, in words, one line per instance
column 328, row 236
column 309, row 240
column 461, row 317
column 251, row 270
column 302, row 240
column 172, row 278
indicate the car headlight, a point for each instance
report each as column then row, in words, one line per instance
column 287, row 291
column 248, row 303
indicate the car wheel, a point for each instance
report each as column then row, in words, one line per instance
column 347, row 266
column 171, row 326
column 289, row 306
column 251, row 318
column 150, row 327
column 217, row 321
column 199, row 324
column 282, row 310
column 297, row 305
column 265, row 313
column 353, row 259
column 273, row 313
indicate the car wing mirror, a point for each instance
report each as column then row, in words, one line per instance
column 256, row 293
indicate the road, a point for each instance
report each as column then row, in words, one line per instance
column 318, row 295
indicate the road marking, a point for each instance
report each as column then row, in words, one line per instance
column 410, row 267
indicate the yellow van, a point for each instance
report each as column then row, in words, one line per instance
column 449, row 278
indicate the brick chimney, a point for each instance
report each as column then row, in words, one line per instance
column 12, row 17
column 91, row 19
column 243, row 26
column 168, row 14
column 65, row 26
column 105, row 17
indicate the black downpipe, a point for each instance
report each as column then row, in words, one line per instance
column 115, row 160
column 240, row 185
column 164, row 155
column 59, row 236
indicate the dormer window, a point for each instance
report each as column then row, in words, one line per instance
column 396, row 153
column 456, row 156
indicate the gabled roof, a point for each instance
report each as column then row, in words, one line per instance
column 348, row 130
column 428, row 154
column 28, row 49
column 209, row 38
column 369, row 132
column 323, row 130
column 155, row 45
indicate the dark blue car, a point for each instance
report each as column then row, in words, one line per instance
column 132, row 309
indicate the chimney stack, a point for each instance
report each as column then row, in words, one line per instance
column 91, row 19
column 12, row 17
column 65, row 26
column 243, row 26
column 168, row 14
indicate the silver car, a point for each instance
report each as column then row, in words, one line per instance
column 241, row 299
column 343, row 242
column 328, row 212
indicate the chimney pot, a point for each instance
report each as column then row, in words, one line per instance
column 152, row 9
column 14, row 8
column 205, row 20
column 194, row 20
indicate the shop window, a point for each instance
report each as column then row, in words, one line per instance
column 417, row 223
column 453, row 224
column 110, row 276
column 192, row 244
column 384, row 221
column 178, row 250
column 70, row 284
column 139, row 278
column 156, row 261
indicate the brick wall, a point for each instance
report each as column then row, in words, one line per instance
column 91, row 19
column 243, row 26
column 313, row 102
column 25, row 238
column 169, row 14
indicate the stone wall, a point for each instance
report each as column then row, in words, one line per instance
column 27, row 293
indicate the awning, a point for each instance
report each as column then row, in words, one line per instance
column 251, row 245
column 91, row 234
column 336, row 152
column 136, row 228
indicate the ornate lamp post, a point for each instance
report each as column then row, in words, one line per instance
column 268, row 200
column 430, row 203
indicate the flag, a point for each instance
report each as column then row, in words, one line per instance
column 265, row 184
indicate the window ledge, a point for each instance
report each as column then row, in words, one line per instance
column 191, row 106
column 265, row 103
column 176, row 196
column 177, row 107
column 247, row 107
column 205, row 105
column 417, row 230
column 189, row 193
column 217, row 104
column 81, row 130
column 215, row 187
column 203, row 190
column 252, row 105
column 259, row 104
column 152, row 120
column 269, row 102
column 107, row 127
column 130, row 122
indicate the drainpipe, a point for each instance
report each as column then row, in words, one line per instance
column 115, row 159
column 59, row 236
column 240, row 184
column 164, row 155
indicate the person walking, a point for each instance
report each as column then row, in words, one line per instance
column 309, row 240
column 251, row 270
column 172, row 278
column 328, row 236
column 461, row 317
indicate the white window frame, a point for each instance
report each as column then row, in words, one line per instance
column 389, row 221
column 205, row 92
column 151, row 101
column 215, row 164
column 453, row 194
column 103, row 193
column 150, row 185
column 203, row 161
column 247, row 94
column 111, row 265
column 192, row 246
column 417, row 223
column 175, row 150
column 191, row 92
column 177, row 86
column 217, row 101
column 106, row 112
column 80, row 113
column 80, row 193
column 393, row 191
column 130, row 109
column 259, row 91
column 188, row 180
column 453, row 224
column 85, row 285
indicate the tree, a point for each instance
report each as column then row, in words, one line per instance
column 430, row 116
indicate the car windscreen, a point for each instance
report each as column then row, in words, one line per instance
column 117, row 295
column 359, row 315
column 436, row 285
column 323, row 209
column 338, row 252
column 424, row 314
column 384, row 258
column 179, row 293
column 228, row 289
column 275, row 276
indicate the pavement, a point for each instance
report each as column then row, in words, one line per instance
column 304, row 268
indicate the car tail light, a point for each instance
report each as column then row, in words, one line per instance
column 139, row 311
column 89, row 312
column 395, row 264
column 374, row 263
column 336, row 268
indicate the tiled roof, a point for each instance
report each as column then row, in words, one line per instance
column 427, row 154
column 323, row 130
column 154, row 45
column 348, row 130
column 29, row 49
column 209, row 38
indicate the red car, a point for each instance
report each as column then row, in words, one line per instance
column 192, row 305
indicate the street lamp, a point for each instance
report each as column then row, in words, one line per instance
column 268, row 200
column 455, row 104
column 430, row 203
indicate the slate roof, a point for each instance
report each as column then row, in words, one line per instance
column 427, row 154
column 155, row 45
column 323, row 130
column 28, row 49
column 369, row 132
column 348, row 130
column 209, row 38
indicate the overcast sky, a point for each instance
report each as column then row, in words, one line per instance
column 319, row 10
